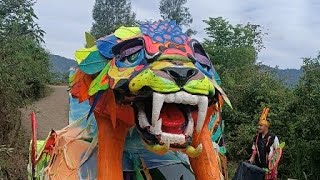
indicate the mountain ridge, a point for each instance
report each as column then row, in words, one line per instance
column 289, row 76
column 60, row 64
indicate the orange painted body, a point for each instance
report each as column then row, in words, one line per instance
column 206, row 166
column 110, row 148
column 111, row 145
column 114, row 121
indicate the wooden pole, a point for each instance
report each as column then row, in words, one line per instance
column 33, row 144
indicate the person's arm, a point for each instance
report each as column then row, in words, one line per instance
column 273, row 148
column 276, row 143
column 253, row 155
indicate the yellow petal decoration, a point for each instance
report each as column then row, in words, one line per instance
column 127, row 32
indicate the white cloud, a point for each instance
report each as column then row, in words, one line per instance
column 290, row 25
column 64, row 23
column 293, row 25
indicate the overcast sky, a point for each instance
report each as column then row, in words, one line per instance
column 293, row 26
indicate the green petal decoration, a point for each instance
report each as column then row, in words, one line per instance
column 93, row 63
column 127, row 32
column 83, row 53
column 101, row 82
column 90, row 40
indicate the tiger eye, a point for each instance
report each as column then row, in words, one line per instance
column 132, row 58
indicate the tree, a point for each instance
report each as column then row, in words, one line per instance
column 108, row 15
column 305, row 140
column 17, row 18
column 176, row 10
column 233, row 50
column 224, row 36
column 24, row 73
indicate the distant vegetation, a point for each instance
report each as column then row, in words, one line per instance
column 289, row 77
column 59, row 68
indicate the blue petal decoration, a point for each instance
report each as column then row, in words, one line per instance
column 94, row 104
column 105, row 45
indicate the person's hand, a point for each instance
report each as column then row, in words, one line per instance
column 250, row 160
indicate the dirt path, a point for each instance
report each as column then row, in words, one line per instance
column 51, row 112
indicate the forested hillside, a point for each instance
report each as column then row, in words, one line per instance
column 289, row 77
column 61, row 64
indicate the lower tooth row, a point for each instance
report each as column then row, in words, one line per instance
column 172, row 138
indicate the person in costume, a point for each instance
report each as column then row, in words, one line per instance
column 264, row 143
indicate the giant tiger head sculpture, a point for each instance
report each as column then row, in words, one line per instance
column 163, row 77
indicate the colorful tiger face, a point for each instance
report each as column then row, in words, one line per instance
column 166, row 76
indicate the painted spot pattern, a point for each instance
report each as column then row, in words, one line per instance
column 164, row 31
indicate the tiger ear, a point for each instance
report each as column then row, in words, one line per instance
column 90, row 40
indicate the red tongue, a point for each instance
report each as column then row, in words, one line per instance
column 172, row 119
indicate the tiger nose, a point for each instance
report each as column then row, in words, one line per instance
column 180, row 75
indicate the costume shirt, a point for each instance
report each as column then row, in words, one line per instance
column 264, row 146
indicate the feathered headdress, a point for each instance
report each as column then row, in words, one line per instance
column 263, row 118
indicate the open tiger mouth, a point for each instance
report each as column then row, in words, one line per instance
column 169, row 120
